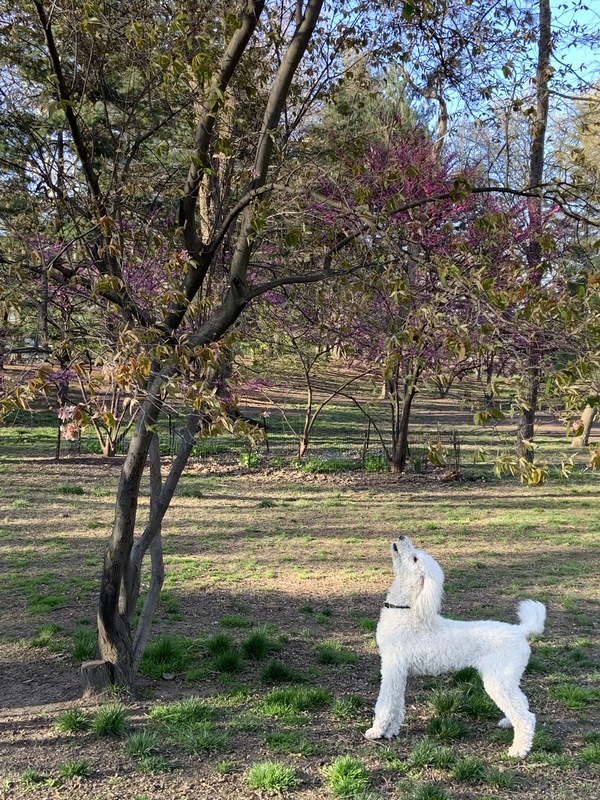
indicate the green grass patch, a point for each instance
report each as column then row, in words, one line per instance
column 70, row 489
column 347, row 707
column 155, row 765
column 110, row 720
column 346, row 777
column 574, row 696
column 333, row 653
column 202, row 737
column 142, row 744
column 278, row 672
column 184, row 712
column 38, row 603
column 272, row 776
column 83, row 646
column 167, row 655
column 235, row 621
column 258, row 646
column 290, row 742
column 73, row 720
column 468, row 769
column 447, row 728
column 292, row 701
column 429, row 754
column 79, row 768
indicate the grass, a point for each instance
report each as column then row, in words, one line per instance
column 576, row 697
column 84, row 644
column 258, row 646
column 347, row 707
column 110, row 720
column 183, row 712
column 428, row 754
column 292, row 701
column 142, row 744
column 79, row 768
column 202, row 737
column 168, row 654
column 324, row 544
column 272, row 776
column 346, row 777
column 155, row 765
column 334, row 653
column 469, row 769
column 290, row 742
column 278, row 672
column 73, row 720
column 447, row 728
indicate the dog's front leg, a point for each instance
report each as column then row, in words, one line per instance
column 389, row 708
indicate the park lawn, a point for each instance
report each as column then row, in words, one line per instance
column 274, row 582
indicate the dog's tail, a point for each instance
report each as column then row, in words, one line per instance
column 532, row 615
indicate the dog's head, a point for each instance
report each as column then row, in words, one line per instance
column 419, row 575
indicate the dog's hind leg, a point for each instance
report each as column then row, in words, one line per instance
column 389, row 708
column 505, row 692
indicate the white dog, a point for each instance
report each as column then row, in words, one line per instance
column 414, row 639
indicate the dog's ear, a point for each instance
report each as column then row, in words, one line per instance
column 428, row 599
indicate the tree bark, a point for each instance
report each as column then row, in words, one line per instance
column 525, row 431
column 400, row 453
column 588, row 415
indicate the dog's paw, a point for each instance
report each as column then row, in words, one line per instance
column 517, row 752
column 505, row 723
column 374, row 733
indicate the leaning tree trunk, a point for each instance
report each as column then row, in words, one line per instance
column 588, row 416
column 534, row 251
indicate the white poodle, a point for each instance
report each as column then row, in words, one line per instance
column 414, row 639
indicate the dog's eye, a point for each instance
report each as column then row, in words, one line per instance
column 415, row 559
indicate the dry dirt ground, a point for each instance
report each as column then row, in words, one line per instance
column 307, row 555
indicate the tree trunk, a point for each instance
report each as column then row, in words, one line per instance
column 115, row 645
column 534, row 250
column 588, row 416
column 400, row 454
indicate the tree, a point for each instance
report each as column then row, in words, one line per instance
column 120, row 83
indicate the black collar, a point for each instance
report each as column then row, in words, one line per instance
column 391, row 605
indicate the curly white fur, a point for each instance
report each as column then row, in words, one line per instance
column 414, row 639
